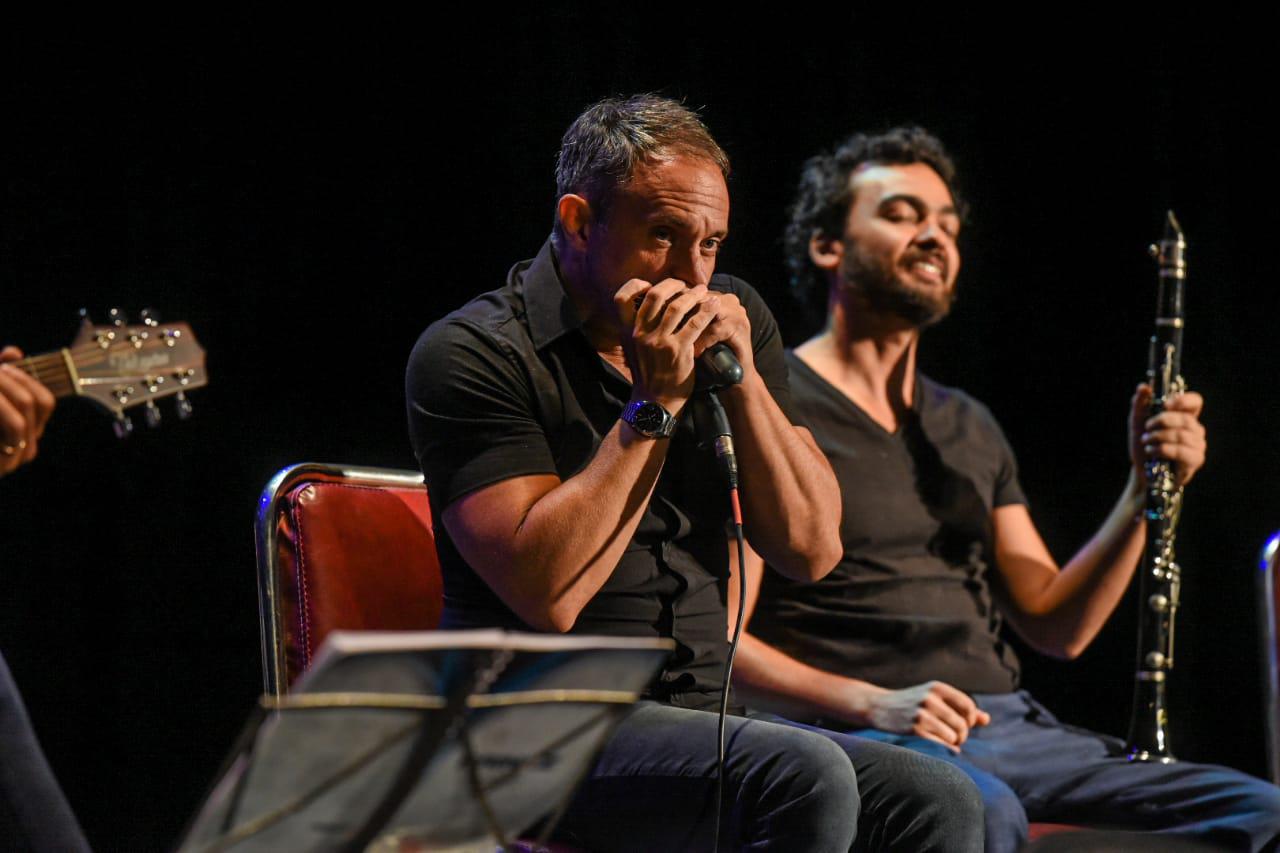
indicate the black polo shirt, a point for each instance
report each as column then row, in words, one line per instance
column 910, row 600
column 508, row 386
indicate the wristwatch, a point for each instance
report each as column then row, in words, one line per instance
column 649, row 419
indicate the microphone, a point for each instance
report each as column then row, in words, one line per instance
column 718, row 367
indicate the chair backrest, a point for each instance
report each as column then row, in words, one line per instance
column 341, row 547
column 1268, row 606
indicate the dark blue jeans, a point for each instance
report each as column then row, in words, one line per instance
column 787, row 787
column 1029, row 766
column 33, row 813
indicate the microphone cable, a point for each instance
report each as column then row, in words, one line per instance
column 723, row 444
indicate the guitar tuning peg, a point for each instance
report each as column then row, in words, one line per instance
column 149, row 317
column 183, row 405
column 123, row 426
column 152, row 413
column 118, row 317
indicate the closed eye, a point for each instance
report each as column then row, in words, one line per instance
column 899, row 210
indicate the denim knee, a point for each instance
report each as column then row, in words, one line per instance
column 1006, row 818
column 807, row 795
column 1259, row 812
column 916, row 802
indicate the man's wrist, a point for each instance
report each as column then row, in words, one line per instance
column 1135, row 494
column 751, row 386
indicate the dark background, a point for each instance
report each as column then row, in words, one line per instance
column 311, row 199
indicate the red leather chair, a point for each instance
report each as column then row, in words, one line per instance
column 344, row 547
column 1268, row 605
column 341, row 547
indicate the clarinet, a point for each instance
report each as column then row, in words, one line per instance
column 1160, row 575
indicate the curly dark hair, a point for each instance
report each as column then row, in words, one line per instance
column 823, row 198
column 600, row 150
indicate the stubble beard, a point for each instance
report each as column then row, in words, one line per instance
column 885, row 293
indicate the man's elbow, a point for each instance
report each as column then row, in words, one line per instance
column 535, row 602
column 1061, row 651
column 1060, row 645
column 551, row 616
column 825, row 549
column 825, row 546
column 1072, row 648
column 813, row 562
column 561, row 620
column 827, row 558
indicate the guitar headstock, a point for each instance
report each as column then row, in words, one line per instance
column 120, row 365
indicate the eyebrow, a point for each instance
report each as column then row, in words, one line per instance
column 670, row 219
column 918, row 203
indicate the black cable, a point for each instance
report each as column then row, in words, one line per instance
column 715, row 425
column 728, row 663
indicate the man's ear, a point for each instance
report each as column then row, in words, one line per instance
column 576, row 221
column 825, row 251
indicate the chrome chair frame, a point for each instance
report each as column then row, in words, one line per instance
column 1268, row 565
column 270, row 611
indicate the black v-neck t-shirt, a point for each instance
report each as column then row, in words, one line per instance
column 910, row 600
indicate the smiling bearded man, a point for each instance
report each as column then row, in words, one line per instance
column 902, row 640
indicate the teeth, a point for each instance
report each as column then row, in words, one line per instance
column 930, row 268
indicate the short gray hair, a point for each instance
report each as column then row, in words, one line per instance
column 600, row 150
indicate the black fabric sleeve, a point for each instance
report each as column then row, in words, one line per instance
column 766, row 341
column 472, row 412
column 1007, row 488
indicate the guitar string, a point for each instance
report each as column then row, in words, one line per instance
column 51, row 370
column 54, row 361
column 83, row 353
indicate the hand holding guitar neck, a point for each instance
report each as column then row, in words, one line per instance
column 25, row 407
column 117, row 366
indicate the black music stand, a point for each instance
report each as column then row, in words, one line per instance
column 444, row 740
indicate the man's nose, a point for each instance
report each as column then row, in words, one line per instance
column 692, row 267
column 931, row 233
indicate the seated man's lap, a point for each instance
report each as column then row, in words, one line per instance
column 796, row 787
column 653, row 786
column 1061, row 773
column 910, row 800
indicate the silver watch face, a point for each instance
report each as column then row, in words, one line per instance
column 649, row 419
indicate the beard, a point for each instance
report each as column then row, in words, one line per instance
column 886, row 293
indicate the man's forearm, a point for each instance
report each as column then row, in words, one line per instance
column 1061, row 612
column 770, row 680
column 1070, row 607
column 791, row 501
column 547, row 547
